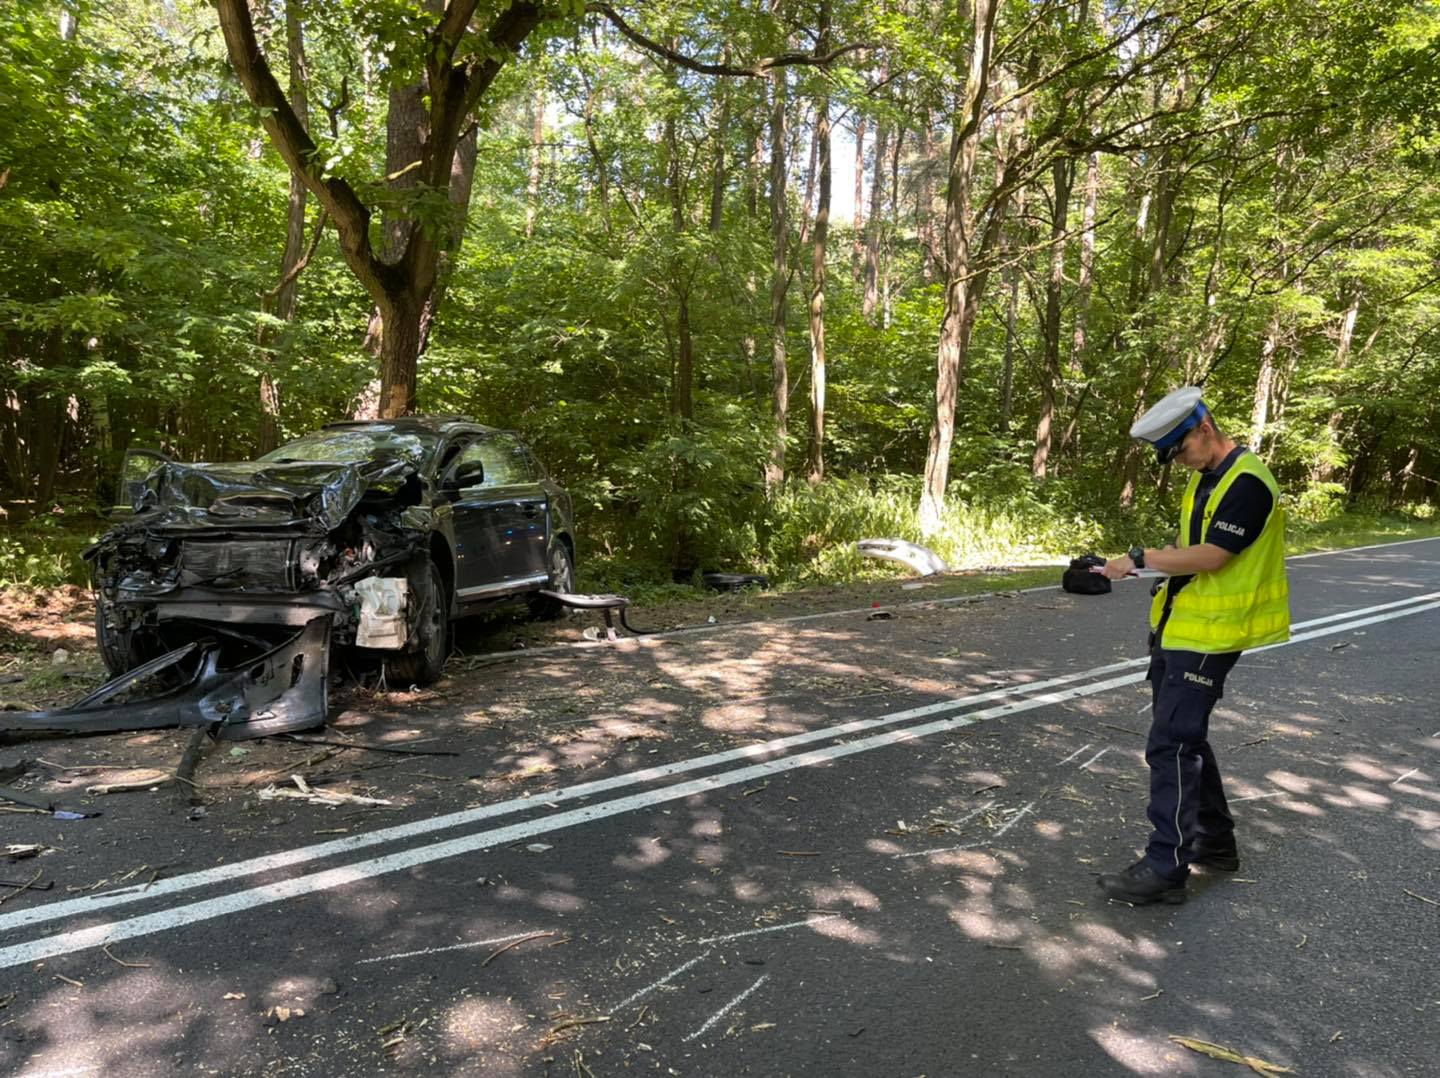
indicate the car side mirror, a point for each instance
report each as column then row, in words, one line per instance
column 468, row 473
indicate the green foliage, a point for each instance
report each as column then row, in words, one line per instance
column 1291, row 147
column 45, row 552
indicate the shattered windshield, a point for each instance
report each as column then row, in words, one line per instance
column 355, row 446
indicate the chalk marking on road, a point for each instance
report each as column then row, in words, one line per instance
column 723, row 1011
column 1092, row 759
column 970, row 845
column 1074, row 754
column 1013, row 820
column 179, row 915
column 975, row 812
column 770, row 928
column 1257, row 797
column 1403, row 777
column 287, row 858
column 661, row 982
column 440, row 950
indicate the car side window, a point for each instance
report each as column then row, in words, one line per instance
column 506, row 461
column 451, row 454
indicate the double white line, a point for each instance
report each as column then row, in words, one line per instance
column 1020, row 698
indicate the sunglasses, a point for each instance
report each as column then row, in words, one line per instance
column 1165, row 456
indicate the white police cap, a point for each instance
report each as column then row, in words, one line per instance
column 1174, row 416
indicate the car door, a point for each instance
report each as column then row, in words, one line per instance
column 499, row 522
column 135, row 469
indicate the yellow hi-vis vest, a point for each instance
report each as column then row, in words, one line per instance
column 1246, row 602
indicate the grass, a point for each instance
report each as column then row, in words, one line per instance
column 1358, row 529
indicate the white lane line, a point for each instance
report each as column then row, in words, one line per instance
column 180, row 915
column 1357, row 549
column 771, row 928
column 1092, row 759
column 270, row 862
column 287, row 858
column 1405, row 776
column 1074, row 754
column 723, row 1011
column 662, row 981
column 441, row 950
column 1256, row 797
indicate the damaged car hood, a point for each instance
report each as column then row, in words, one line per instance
column 253, row 494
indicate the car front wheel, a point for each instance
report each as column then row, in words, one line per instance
column 426, row 662
column 562, row 579
column 123, row 649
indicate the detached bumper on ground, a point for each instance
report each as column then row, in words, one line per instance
column 284, row 689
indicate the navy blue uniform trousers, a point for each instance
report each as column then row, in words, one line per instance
column 1187, row 800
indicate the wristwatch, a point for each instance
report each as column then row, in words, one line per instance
column 1137, row 555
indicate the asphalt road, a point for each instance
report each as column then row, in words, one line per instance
column 839, row 846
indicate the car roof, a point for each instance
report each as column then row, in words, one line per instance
column 434, row 424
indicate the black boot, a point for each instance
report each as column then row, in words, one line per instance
column 1141, row 885
column 1225, row 859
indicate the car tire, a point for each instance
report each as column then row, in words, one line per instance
column 123, row 649
column 562, row 579
column 426, row 663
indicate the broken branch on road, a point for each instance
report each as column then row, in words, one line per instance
column 19, row 888
column 515, row 943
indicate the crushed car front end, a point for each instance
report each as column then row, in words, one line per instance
column 248, row 553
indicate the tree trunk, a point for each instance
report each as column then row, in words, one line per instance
column 1063, row 170
column 859, row 221
column 877, row 223
column 717, row 174
column 964, row 146
column 1264, row 384
column 887, row 244
column 399, row 353
column 1087, row 267
column 807, row 204
column 1014, row 241
column 601, row 162
column 285, row 299
column 462, row 182
column 925, row 200
column 1328, row 466
column 779, row 281
column 1163, row 206
column 816, row 470
column 537, row 149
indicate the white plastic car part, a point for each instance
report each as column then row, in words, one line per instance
column 924, row 561
column 382, row 612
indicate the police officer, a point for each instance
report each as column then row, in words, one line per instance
column 1226, row 591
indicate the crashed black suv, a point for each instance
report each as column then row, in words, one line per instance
column 391, row 528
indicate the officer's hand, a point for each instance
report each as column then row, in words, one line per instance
column 1118, row 568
